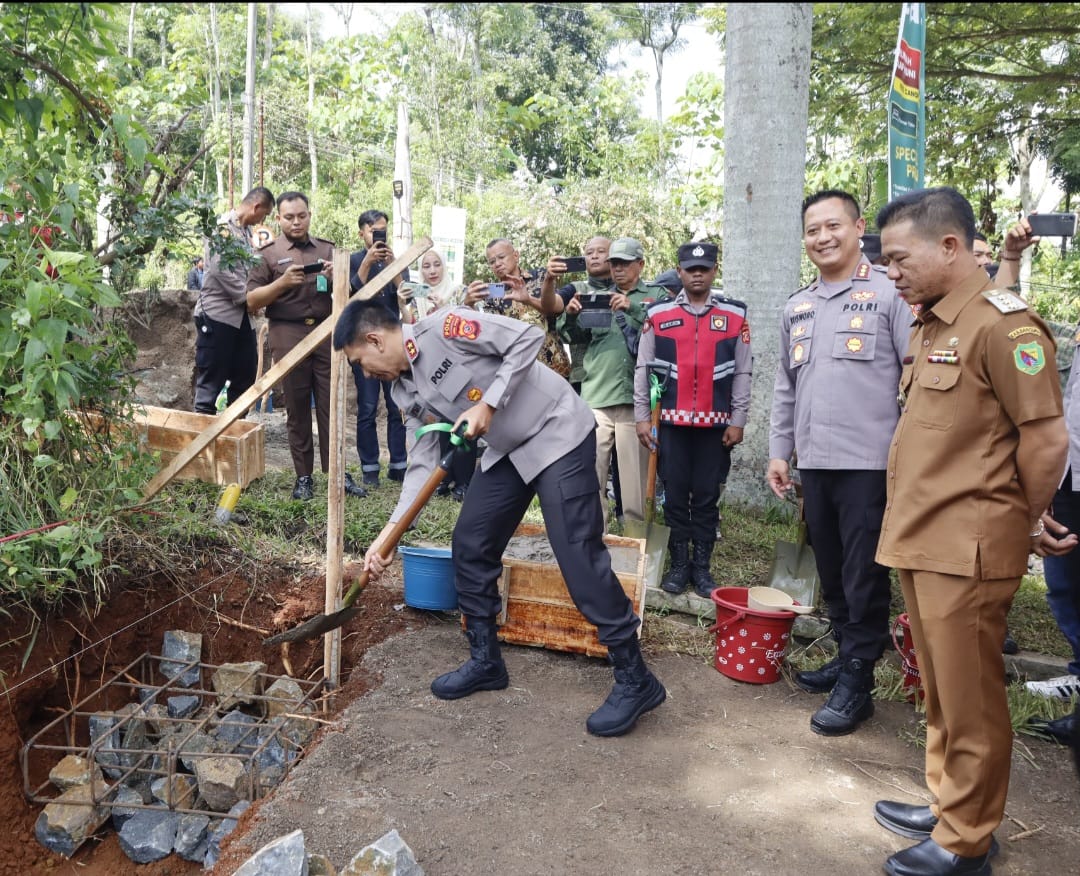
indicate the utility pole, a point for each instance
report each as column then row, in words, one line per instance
column 403, row 188
column 249, row 100
column 262, row 143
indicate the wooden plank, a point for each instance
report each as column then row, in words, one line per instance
column 335, row 492
column 293, row 358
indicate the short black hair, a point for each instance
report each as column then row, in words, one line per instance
column 260, row 195
column 981, row 236
column 292, row 196
column 360, row 317
column 828, row 194
column 370, row 217
column 932, row 213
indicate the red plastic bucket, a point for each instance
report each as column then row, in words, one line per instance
column 750, row 644
column 905, row 647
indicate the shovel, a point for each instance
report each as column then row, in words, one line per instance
column 324, row 623
column 794, row 569
column 655, row 534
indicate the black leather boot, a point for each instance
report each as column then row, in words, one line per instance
column 484, row 670
column 636, row 691
column 677, row 578
column 822, row 679
column 850, row 702
column 704, row 584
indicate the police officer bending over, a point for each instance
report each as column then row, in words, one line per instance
column 462, row 365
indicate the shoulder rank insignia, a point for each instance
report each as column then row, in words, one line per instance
column 411, row 350
column 455, row 326
column 862, row 272
column 1029, row 358
column 1006, row 302
column 744, row 333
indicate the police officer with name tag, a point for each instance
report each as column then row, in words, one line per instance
column 842, row 339
column 702, row 341
column 466, row 366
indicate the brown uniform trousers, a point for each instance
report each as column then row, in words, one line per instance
column 956, row 528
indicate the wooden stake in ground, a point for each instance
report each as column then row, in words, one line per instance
column 335, row 491
column 293, row 358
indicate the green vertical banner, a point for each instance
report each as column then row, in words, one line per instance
column 907, row 103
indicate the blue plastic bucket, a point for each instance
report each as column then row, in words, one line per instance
column 429, row 578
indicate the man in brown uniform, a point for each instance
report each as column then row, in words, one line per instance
column 978, row 451
column 297, row 300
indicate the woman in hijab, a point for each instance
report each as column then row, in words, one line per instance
column 417, row 301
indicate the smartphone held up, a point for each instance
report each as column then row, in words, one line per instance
column 1052, row 224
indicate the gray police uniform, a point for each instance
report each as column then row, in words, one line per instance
column 225, row 348
column 834, row 406
column 541, row 442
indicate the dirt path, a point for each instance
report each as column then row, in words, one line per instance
column 723, row 778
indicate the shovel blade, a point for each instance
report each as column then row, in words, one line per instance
column 795, row 572
column 656, row 538
column 317, row 626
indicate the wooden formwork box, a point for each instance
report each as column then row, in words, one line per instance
column 537, row 608
column 236, row 456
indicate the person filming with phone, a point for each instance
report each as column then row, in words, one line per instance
column 292, row 281
column 364, row 265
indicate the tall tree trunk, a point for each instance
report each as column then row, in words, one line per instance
column 313, row 154
column 131, row 30
column 767, row 88
column 403, row 224
column 213, row 44
column 248, row 172
column 268, row 45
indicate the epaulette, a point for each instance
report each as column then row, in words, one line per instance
column 661, row 302
column 323, row 240
column 803, row 289
column 1005, row 302
column 717, row 298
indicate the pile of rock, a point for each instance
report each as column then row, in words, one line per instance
column 174, row 771
column 287, row 856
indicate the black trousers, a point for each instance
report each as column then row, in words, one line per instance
column 843, row 520
column 570, row 500
column 223, row 353
column 692, row 463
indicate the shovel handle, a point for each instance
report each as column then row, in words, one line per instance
column 650, row 477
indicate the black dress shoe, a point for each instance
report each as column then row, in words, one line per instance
column 304, row 488
column 443, row 489
column 396, row 474
column 352, row 488
column 371, row 479
column 459, row 493
column 930, row 859
column 1061, row 729
column 914, row 822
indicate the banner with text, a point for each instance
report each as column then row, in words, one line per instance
column 907, row 104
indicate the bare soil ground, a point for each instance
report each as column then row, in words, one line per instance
column 723, row 778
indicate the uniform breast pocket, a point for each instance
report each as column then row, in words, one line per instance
column 452, row 382
column 848, row 344
column 938, row 395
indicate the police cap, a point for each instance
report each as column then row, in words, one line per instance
column 697, row 255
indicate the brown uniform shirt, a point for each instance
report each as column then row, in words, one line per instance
column 972, row 375
column 304, row 302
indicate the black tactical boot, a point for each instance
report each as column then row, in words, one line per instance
column 822, row 679
column 850, row 702
column 677, row 578
column 484, row 670
column 636, row 691
column 704, row 584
